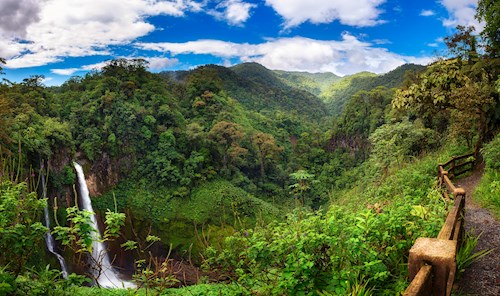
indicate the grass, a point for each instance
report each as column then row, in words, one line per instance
column 408, row 179
column 487, row 193
column 196, row 290
column 466, row 255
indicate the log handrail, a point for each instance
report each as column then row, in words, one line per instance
column 455, row 158
column 422, row 284
column 437, row 276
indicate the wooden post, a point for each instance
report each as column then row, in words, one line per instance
column 441, row 255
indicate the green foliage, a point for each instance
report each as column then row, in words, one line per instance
column 303, row 181
column 21, row 233
column 397, row 142
column 227, row 137
column 462, row 44
column 453, row 96
column 5, row 121
column 330, row 252
column 114, row 222
column 46, row 282
column 341, row 91
column 220, row 200
column 80, row 232
column 491, row 154
column 260, row 89
column 2, row 61
column 314, row 83
column 208, row 290
column 487, row 11
column 205, row 151
column 488, row 191
column 466, row 255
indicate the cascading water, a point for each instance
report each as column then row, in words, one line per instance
column 106, row 275
column 49, row 239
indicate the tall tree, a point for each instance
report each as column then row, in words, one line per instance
column 464, row 92
column 2, row 61
column 463, row 43
column 489, row 12
column 227, row 137
column 266, row 148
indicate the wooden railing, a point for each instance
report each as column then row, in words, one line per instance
column 432, row 261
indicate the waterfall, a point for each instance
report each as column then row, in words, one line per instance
column 107, row 276
column 49, row 239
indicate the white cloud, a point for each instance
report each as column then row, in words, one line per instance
column 64, row 72
column 382, row 41
column 360, row 13
column 71, row 71
column 461, row 12
column 158, row 63
column 55, row 29
column 235, row 12
column 214, row 47
column 343, row 57
column 425, row 12
column 154, row 63
column 47, row 79
column 96, row 66
column 437, row 42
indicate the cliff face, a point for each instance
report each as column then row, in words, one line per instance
column 105, row 172
column 102, row 176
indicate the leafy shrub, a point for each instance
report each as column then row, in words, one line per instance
column 393, row 143
column 488, row 191
column 20, row 231
column 330, row 252
column 491, row 153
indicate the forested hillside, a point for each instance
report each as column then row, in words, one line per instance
column 314, row 83
column 337, row 94
column 251, row 181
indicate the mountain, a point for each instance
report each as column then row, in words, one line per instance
column 259, row 89
column 314, row 83
column 337, row 94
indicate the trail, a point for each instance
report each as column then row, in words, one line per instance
column 483, row 276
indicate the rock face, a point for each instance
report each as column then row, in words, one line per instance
column 104, row 173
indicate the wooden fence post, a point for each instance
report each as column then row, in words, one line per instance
column 441, row 255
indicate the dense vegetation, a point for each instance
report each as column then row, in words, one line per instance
column 337, row 94
column 243, row 171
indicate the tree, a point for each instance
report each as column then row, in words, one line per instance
column 20, row 230
column 303, row 181
column 463, row 43
column 2, row 61
column 464, row 92
column 489, row 12
column 227, row 137
column 5, row 123
column 165, row 161
column 266, row 148
column 396, row 142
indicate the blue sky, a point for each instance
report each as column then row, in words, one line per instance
column 64, row 38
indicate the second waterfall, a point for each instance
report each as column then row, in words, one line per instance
column 105, row 275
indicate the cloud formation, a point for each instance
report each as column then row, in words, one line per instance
column 17, row 15
column 234, row 12
column 426, row 12
column 344, row 57
column 461, row 12
column 359, row 13
column 154, row 64
column 72, row 28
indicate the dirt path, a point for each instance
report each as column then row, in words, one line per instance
column 483, row 276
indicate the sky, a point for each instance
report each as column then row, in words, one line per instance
column 64, row 38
